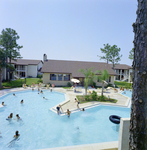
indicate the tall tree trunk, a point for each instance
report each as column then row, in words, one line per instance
column 0, row 77
column 138, row 122
column 102, row 88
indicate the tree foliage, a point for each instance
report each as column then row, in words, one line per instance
column 131, row 54
column 114, row 57
column 9, row 48
column 89, row 76
column 112, row 54
column 104, row 75
column 106, row 51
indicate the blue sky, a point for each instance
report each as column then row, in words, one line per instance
column 70, row 29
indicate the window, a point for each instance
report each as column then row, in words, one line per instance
column 109, row 79
column 66, row 77
column 60, row 77
column 53, row 76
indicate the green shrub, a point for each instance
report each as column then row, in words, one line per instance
column 68, row 84
column 94, row 84
column 40, row 81
column 87, row 97
column 94, row 95
column 39, row 76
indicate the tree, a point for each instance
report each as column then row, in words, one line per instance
column 106, row 51
column 104, row 75
column 114, row 57
column 111, row 54
column 88, row 74
column 2, row 64
column 131, row 54
column 138, row 122
column 8, row 44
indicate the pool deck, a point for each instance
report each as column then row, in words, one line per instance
column 70, row 104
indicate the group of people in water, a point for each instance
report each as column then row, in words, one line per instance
column 68, row 112
column 11, row 116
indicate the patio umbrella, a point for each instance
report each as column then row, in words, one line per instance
column 75, row 80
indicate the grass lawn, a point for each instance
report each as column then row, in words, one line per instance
column 88, row 98
column 19, row 82
column 123, row 84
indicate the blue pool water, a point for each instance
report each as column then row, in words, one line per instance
column 127, row 93
column 42, row 128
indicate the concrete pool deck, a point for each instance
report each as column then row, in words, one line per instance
column 70, row 104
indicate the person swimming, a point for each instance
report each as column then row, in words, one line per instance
column 21, row 102
column 83, row 109
column 14, row 94
column 12, row 143
column 10, row 116
column 41, row 91
column 45, row 98
column 16, row 134
column 68, row 113
column 3, row 104
column 18, row 118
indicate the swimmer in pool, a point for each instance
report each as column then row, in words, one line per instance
column 77, row 101
column 51, row 90
column 45, row 98
column 41, row 91
column 21, row 102
column 18, row 118
column 14, row 94
column 10, row 117
column 16, row 134
column 12, row 143
column 68, row 113
column 3, row 104
column 83, row 109
column 32, row 89
column 38, row 89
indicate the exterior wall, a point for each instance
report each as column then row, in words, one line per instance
column 124, row 134
column 100, row 83
column 122, row 72
column 130, row 77
column 46, row 79
column 32, row 71
column 20, row 70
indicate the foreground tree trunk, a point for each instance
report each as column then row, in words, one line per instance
column 138, row 122
column 0, row 77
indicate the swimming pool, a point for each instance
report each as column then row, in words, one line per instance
column 127, row 93
column 42, row 128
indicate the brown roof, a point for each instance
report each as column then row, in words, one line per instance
column 121, row 66
column 62, row 66
column 26, row 62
